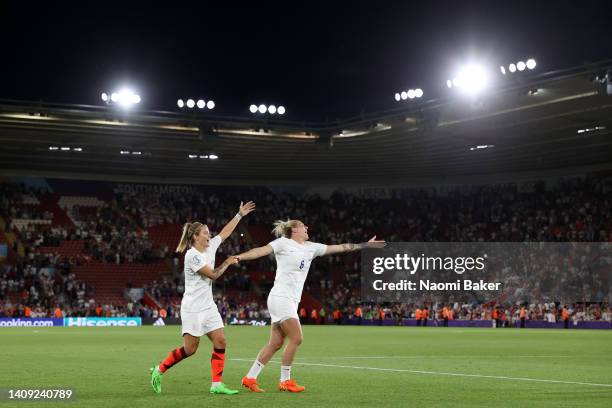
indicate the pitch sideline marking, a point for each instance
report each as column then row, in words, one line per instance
column 413, row 357
column 401, row 370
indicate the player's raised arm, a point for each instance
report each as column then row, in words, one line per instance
column 255, row 253
column 340, row 248
column 216, row 273
column 243, row 210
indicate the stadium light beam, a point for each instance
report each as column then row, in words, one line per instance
column 126, row 98
column 472, row 79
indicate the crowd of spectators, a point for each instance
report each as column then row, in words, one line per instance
column 42, row 283
column 507, row 314
column 572, row 210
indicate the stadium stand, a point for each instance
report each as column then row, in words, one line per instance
column 85, row 252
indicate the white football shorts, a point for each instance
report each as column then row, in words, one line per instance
column 199, row 323
column 282, row 308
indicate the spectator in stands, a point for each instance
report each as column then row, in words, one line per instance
column 570, row 210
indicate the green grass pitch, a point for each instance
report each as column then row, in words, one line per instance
column 421, row 367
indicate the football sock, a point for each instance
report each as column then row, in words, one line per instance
column 255, row 369
column 174, row 357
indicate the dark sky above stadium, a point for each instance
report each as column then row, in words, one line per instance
column 321, row 60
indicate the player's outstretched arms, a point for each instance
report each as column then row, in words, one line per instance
column 255, row 253
column 340, row 248
column 216, row 273
column 243, row 211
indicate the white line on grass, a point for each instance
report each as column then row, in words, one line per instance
column 357, row 357
column 437, row 356
column 400, row 370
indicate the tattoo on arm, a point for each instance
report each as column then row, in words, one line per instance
column 214, row 274
column 220, row 270
column 351, row 247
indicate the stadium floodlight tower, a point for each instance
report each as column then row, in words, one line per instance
column 263, row 109
column 125, row 98
column 192, row 103
column 472, row 79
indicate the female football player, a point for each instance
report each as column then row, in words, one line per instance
column 199, row 313
column 293, row 253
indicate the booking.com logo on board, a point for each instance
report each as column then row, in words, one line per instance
column 102, row 321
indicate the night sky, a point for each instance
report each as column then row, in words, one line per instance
column 321, row 60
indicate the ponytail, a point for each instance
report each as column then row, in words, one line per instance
column 283, row 228
column 189, row 231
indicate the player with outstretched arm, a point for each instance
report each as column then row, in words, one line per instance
column 293, row 253
column 199, row 313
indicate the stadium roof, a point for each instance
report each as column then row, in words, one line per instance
column 555, row 120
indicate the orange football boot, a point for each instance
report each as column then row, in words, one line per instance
column 290, row 386
column 251, row 384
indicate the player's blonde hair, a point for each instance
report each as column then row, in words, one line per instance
column 283, row 228
column 190, row 230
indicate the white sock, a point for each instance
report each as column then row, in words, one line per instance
column 285, row 373
column 255, row 369
column 215, row 383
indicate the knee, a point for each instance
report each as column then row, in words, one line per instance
column 276, row 345
column 297, row 340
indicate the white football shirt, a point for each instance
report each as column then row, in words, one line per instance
column 198, row 289
column 292, row 264
column 213, row 245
